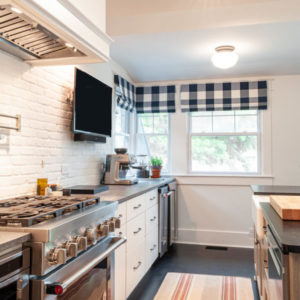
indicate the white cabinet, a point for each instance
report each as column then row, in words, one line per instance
column 139, row 219
column 135, row 232
column 135, row 206
column 120, row 256
column 151, row 248
column 120, row 273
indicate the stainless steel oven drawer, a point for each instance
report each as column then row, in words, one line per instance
column 90, row 270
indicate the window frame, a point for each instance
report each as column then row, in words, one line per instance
column 260, row 151
column 167, row 170
column 123, row 133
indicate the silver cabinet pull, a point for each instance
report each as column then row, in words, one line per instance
column 152, row 198
column 120, row 216
column 154, row 246
column 120, row 233
column 153, row 219
column 138, row 265
column 138, row 206
column 136, row 232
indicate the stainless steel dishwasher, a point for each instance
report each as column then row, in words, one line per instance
column 167, row 217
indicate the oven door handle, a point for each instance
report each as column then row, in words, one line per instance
column 59, row 288
column 275, row 261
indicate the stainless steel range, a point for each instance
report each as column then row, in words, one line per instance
column 72, row 241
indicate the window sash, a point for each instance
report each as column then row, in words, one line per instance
column 244, row 133
column 214, row 117
column 143, row 134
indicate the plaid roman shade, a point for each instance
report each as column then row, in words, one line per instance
column 155, row 99
column 223, row 96
column 125, row 93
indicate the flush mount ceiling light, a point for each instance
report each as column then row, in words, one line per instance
column 224, row 57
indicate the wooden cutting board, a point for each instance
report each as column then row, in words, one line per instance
column 287, row 207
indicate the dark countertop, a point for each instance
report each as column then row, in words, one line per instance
column 123, row 193
column 275, row 190
column 287, row 233
column 10, row 239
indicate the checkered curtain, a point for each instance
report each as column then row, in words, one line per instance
column 125, row 93
column 223, row 96
column 155, row 99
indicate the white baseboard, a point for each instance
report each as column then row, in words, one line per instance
column 215, row 238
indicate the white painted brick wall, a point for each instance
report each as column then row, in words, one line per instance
column 39, row 95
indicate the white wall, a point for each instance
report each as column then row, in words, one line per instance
column 94, row 10
column 216, row 210
column 39, row 95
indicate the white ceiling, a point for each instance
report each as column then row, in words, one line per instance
column 268, row 43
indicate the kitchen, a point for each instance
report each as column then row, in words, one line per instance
column 138, row 42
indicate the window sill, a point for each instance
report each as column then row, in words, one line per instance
column 224, row 179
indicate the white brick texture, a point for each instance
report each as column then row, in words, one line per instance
column 39, row 95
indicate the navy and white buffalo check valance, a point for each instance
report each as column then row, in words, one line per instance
column 125, row 93
column 155, row 99
column 223, row 96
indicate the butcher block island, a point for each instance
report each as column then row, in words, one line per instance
column 288, row 207
column 277, row 249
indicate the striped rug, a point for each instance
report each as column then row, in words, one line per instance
column 181, row 286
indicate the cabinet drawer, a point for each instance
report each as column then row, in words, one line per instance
column 151, row 198
column 151, row 248
column 136, row 232
column 151, row 218
column 136, row 267
column 135, row 207
column 122, row 212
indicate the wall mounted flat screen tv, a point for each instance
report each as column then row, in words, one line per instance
column 92, row 106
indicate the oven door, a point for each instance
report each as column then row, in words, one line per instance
column 88, row 276
column 275, row 270
column 14, row 275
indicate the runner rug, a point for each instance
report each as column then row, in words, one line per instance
column 182, row 286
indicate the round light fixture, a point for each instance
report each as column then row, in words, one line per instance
column 224, row 57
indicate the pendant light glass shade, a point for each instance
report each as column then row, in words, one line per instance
column 224, row 57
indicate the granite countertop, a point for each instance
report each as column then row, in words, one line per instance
column 287, row 233
column 275, row 190
column 10, row 239
column 123, row 193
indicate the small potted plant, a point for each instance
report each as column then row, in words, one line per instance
column 156, row 165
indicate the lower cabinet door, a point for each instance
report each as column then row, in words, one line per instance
column 136, row 267
column 120, row 267
column 151, row 247
column 120, row 273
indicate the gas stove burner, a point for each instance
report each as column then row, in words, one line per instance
column 10, row 204
column 27, row 214
column 30, row 210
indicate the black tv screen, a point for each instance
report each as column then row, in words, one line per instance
column 92, row 107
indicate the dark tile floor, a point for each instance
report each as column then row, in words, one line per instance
column 196, row 259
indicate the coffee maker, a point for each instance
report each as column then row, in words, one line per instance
column 117, row 166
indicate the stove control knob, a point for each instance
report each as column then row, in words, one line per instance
column 103, row 230
column 91, row 236
column 117, row 222
column 81, row 241
column 58, row 256
column 111, row 225
column 72, row 249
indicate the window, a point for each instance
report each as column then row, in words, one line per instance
column 225, row 141
column 153, row 136
column 122, row 129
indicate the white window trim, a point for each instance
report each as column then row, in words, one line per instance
column 260, row 152
column 167, row 170
column 131, row 129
